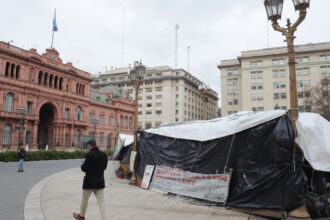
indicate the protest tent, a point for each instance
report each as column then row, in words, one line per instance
column 258, row 147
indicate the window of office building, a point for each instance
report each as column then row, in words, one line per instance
column 158, row 97
column 232, row 72
column 277, row 85
column 148, row 112
column 232, row 101
column 158, row 112
column 303, row 83
column 148, row 125
column 256, row 109
column 232, row 82
column 149, row 104
column 158, row 89
column 148, row 89
column 255, row 97
column 256, row 75
column 256, row 63
column 303, row 71
column 325, row 58
column 158, row 104
column 232, row 92
column 280, row 95
column 302, row 60
column 277, row 62
column 279, row 73
column 325, row 69
column 149, row 97
column 257, row 86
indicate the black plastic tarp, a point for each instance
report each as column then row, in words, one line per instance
column 266, row 167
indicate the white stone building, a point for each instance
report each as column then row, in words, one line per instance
column 259, row 79
column 166, row 95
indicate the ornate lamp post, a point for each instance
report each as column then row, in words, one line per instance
column 21, row 113
column 136, row 76
column 274, row 12
column 95, row 123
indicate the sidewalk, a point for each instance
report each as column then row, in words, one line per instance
column 60, row 196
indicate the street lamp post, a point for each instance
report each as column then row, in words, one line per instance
column 95, row 123
column 136, row 76
column 21, row 113
column 274, row 12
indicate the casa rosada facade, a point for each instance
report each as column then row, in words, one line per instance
column 45, row 102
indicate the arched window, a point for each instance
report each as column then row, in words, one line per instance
column 9, row 102
column 78, row 114
column 7, row 69
column 77, row 88
column 61, row 83
column 77, row 138
column 18, row 68
column 109, row 141
column 121, row 122
column 12, row 70
column 83, row 89
column 45, row 79
column 51, row 79
column 111, row 120
column 91, row 117
column 126, row 122
column 6, row 136
column 40, row 77
column 130, row 123
column 55, row 82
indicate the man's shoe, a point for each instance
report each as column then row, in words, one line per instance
column 78, row 217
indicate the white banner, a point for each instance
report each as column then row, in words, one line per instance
column 147, row 176
column 211, row 187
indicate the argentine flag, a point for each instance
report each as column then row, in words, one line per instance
column 54, row 22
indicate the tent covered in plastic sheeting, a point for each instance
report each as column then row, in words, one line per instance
column 258, row 147
column 314, row 139
column 122, row 146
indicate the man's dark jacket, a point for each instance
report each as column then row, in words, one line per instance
column 95, row 163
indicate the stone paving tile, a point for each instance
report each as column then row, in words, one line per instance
column 62, row 195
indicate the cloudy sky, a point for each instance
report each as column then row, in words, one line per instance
column 91, row 31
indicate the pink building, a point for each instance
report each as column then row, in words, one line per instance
column 60, row 107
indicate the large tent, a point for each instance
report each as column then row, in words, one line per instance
column 258, row 148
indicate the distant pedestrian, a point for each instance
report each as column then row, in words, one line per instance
column 21, row 155
column 95, row 163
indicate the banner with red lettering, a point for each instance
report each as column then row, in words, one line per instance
column 211, row 187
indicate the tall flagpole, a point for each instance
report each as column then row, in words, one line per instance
column 53, row 28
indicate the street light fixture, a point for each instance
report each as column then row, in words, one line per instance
column 274, row 12
column 21, row 113
column 136, row 75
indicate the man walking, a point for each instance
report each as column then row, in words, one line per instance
column 95, row 163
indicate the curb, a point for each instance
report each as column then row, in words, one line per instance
column 32, row 205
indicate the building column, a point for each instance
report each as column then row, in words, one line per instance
column 63, row 136
column 71, row 135
column 35, row 134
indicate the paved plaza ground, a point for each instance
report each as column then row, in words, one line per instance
column 60, row 195
column 44, row 193
column 14, row 186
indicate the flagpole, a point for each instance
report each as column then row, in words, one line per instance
column 52, row 39
column 53, row 29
